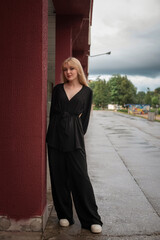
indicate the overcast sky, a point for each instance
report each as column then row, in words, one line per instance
column 130, row 29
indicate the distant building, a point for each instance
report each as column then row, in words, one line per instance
column 114, row 107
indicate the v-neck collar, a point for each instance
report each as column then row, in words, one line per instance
column 73, row 95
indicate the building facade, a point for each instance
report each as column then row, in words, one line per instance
column 36, row 36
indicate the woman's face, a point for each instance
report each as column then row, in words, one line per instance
column 70, row 72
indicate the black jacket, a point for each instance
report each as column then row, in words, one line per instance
column 68, row 118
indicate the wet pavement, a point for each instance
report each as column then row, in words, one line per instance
column 123, row 154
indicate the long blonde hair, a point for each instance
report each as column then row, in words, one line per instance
column 74, row 62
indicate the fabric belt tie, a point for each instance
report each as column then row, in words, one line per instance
column 66, row 121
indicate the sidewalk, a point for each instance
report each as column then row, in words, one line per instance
column 157, row 117
column 124, row 166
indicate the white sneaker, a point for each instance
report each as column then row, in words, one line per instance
column 96, row 228
column 64, row 222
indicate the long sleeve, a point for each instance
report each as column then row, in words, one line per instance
column 86, row 114
column 66, row 127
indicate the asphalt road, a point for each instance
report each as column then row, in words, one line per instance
column 124, row 162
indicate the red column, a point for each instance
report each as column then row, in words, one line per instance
column 23, row 88
column 63, row 43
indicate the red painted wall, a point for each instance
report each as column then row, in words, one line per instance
column 23, row 88
column 63, row 43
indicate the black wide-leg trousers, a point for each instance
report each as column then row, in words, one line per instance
column 69, row 175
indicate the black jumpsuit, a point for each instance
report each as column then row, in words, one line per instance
column 67, row 158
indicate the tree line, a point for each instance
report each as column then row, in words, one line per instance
column 120, row 90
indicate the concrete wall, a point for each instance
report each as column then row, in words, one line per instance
column 23, row 90
column 51, row 50
column 51, row 65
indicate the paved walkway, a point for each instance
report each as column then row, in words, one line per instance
column 146, row 116
column 124, row 166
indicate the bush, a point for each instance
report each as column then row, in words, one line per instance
column 158, row 110
column 96, row 108
column 152, row 110
column 123, row 110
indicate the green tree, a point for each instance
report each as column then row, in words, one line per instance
column 148, row 99
column 140, row 97
column 92, row 84
column 157, row 90
column 100, row 93
column 121, row 90
column 157, row 94
column 155, row 101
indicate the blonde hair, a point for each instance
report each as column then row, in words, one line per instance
column 74, row 62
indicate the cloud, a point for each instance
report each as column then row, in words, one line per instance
column 142, row 82
column 130, row 29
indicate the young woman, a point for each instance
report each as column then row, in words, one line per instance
column 69, row 117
